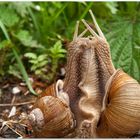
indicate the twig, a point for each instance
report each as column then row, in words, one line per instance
column 17, row 104
column 13, row 99
column 18, row 133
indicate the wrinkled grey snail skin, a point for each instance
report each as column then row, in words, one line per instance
column 94, row 100
column 81, row 84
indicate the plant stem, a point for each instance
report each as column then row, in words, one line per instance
column 21, row 66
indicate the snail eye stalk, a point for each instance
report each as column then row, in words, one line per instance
column 90, row 29
column 76, row 31
column 97, row 26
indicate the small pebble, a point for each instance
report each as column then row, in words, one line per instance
column 62, row 70
column 12, row 112
column 22, row 84
column 16, row 90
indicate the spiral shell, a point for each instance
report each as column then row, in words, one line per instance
column 121, row 112
column 49, row 91
column 56, row 90
column 51, row 118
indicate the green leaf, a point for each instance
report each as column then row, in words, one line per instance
column 42, row 64
column 124, row 41
column 5, row 43
column 31, row 55
column 4, row 31
column 34, row 20
column 59, row 12
column 57, row 48
column 86, row 10
column 27, row 40
column 59, row 56
column 33, row 61
column 112, row 7
column 42, row 57
column 38, row 72
column 58, row 44
column 34, row 67
column 8, row 16
column 13, row 69
column 21, row 7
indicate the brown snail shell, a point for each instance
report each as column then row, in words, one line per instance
column 121, row 109
column 51, row 116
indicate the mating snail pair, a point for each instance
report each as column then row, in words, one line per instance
column 94, row 100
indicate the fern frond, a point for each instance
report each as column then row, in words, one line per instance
column 124, row 41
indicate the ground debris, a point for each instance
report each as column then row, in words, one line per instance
column 16, row 102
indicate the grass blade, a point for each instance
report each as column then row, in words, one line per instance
column 21, row 66
column 86, row 10
column 34, row 20
column 59, row 12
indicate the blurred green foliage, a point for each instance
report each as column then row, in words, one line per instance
column 38, row 30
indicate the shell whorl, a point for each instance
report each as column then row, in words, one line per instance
column 121, row 112
column 57, row 118
column 37, row 118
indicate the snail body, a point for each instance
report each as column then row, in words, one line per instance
column 81, row 85
column 90, row 101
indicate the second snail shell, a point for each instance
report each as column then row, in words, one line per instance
column 51, row 115
column 121, row 112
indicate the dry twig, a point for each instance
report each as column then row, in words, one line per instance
column 17, row 104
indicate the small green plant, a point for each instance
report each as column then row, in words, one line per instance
column 14, row 70
column 38, row 63
column 56, row 53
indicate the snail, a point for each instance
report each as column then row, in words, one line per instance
column 51, row 115
column 99, row 100
column 78, row 91
column 121, row 107
column 120, row 113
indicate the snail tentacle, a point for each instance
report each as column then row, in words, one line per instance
column 90, row 29
column 60, row 92
column 83, row 33
column 96, row 25
column 76, row 31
